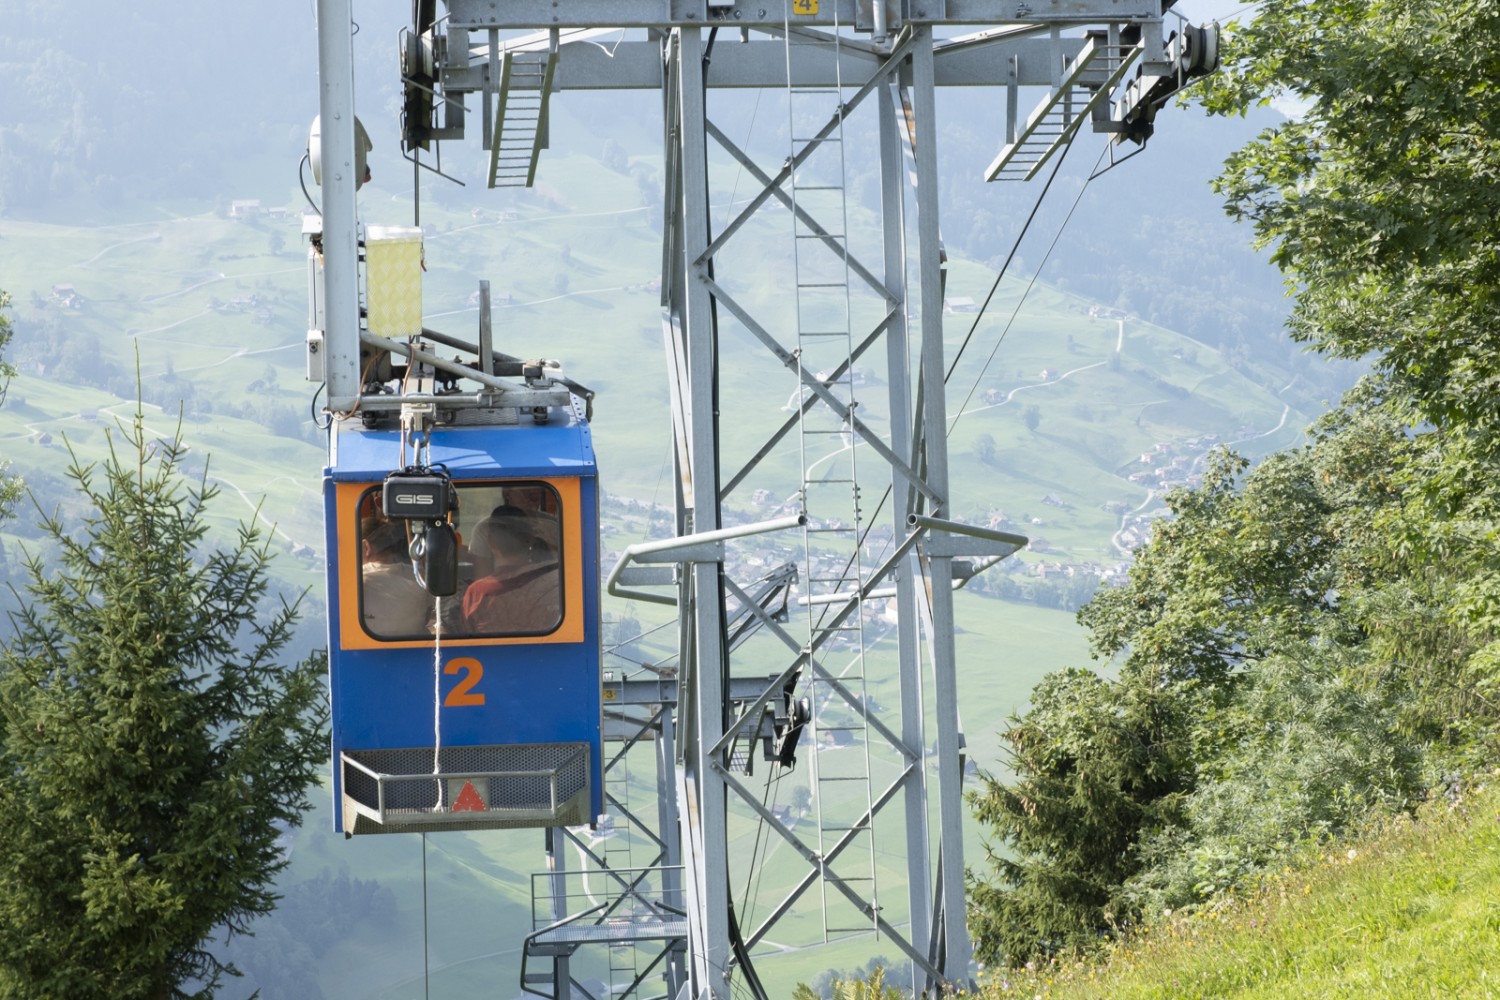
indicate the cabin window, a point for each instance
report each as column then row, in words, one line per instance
column 510, row 567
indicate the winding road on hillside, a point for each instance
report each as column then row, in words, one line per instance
column 1151, row 494
column 1022, row 388
column 148, row 238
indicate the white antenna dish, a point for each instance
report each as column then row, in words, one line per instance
column 362, row 146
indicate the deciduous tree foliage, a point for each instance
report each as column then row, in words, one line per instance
column 1235, row 568
column 1285, row 665
column 1379, row 199
column 1380, row 203
column 153, row 750
column 1247, row 564
column 1323, row 629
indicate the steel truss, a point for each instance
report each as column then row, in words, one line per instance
column 875, row 58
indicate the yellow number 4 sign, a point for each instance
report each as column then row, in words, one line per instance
column 804, row 6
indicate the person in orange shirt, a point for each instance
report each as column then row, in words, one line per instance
column 522, row 595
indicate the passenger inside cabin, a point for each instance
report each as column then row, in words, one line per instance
column 394, row 605
column 522, row 593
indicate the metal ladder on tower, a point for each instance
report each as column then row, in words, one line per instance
column 830, row 497
column 519, row 133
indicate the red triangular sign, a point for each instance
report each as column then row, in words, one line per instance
column 468, row 800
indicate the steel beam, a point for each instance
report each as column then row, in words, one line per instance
column 954, row 960
column 763, row 63
column 702, row 787
column 340, row 239
column 898, row 397
column 669, row 14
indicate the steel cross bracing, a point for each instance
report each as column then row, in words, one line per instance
column 884, row 60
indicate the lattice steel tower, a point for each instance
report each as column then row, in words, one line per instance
column 854, row 484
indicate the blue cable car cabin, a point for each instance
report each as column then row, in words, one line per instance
column 479, row 710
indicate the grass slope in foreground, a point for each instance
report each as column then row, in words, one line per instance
column 1411, row 911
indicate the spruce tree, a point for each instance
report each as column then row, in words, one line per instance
column 154, row 751
column 10, row 486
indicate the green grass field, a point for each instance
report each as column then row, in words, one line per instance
column 1411, row 910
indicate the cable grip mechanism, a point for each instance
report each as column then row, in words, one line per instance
column 423, row 496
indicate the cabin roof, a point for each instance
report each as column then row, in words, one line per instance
column 561, row 447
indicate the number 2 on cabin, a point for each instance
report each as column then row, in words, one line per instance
column 463, row 693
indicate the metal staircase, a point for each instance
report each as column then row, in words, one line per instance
column 520, row 129
column 622, row 909
column 636, row 913
column 1081, row 92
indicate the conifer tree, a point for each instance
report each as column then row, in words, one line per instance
column 10, row 486
column 153, row 750
column 1096, row 762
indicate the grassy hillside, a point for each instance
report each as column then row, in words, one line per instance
column 1412, row 910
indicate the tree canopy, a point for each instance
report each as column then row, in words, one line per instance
column 153, row 751
column 1379, row 199
column 1318, row 637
